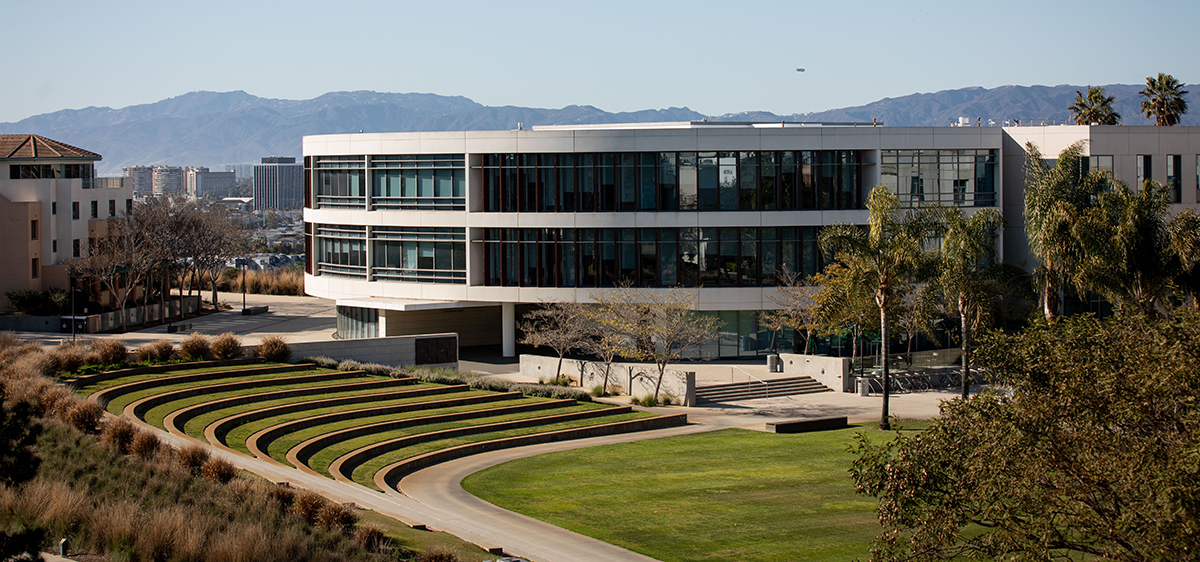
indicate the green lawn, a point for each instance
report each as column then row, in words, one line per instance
column 117, row 405
column 724, row 495
column 93, row 388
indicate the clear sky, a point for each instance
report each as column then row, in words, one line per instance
column 714, row 57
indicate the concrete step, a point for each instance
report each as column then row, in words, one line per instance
column 747, row 391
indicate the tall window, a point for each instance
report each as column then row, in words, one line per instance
column 75, row 248
column 112, row 207
column 1174, row 177
column 35, row 270
column 95, row 209
column 74, row 210
column 33, row 230
column 1145, row 170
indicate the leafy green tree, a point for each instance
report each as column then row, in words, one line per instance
column 1094, row 107
column 967, row 255
column 1185, row 243
column 844, row 303
column 1056, row 200
column 1163, row 101
column 886, row 256
column 1090, row 453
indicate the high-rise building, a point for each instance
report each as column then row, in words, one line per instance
column 50, row 204
column 141, row 179
column 201, row 183
column 168, row 180
column 278, row 184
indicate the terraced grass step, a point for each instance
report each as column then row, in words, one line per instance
column 343, row 467
column 189, row 409
column 148, row 382
column 242, row 431
column 141, row 406
column 331, row 435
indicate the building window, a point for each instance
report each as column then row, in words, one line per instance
column 1102, row 162
column 75, row 248
column 112, row 207
column 427, row 182
column 128, row 206
column 35, row 271
column 964, row 178
column 95, row 209
column 54, row 246
column 418, row 255
column 1145, row 170
column 33, row 229
column 54, row 207
column 340, row 182
column 357, row 323
column 1175, row 177
column 341, row 250
column 74, row 210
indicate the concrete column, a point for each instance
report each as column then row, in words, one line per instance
column 508, row 328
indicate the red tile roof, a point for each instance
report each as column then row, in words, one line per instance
column 39, row 147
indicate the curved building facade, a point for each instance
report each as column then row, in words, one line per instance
column 457, row 231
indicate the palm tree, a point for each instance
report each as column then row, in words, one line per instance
column 887, row 255
column 1056, row 200
column 968, row 252
column 1094, row 108
column 1185, row 243
column 1164, row 100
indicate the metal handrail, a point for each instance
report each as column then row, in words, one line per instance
column 766, row 387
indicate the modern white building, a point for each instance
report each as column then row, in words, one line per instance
column 278, row 184
column 457, row 231
column 50, row 202
column 168, row 180
column 140, row 179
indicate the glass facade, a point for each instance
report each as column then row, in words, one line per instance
column 965, row 178
column 427, row 182
column 672, row 181
column 647, row 257
column 357, row 323
column 396, row 253
column 1175, row 178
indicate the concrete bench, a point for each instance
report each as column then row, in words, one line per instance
column 802, row 426
column 250, row 311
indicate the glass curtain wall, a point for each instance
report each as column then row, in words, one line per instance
column 965, row 178
column 426, row 182
column 673, row 181
column 648, row 257
column 397, row 254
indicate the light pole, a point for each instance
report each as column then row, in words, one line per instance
column 243, row 260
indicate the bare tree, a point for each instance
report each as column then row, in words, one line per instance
column 561, row 326
column 114, row 259
column 218, row 240
column 658, row 326
column 797, row 308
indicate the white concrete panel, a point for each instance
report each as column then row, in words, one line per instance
column 484, row 142
column 606, row 141
column 545, row 141
column 665, row 141
column 729, row 140
column 493, row 220
column 605, row 220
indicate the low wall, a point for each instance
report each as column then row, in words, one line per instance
column 103, row 322
column 634, row 379
column 396, row 351
column 833, row 372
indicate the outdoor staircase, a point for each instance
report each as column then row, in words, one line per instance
column 756, row 389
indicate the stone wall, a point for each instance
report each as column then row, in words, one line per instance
column 634, row 379
column 833, row 372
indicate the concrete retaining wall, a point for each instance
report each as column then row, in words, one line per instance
column 833, row 372
column 395, row 351
column 104, row 322
column 634, row 379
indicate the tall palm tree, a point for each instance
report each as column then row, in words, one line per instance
column 887, row 255
column 968, row 252
column 1164, row 101
column 1185, row 242
column 1094, row 107
column 1056, row 199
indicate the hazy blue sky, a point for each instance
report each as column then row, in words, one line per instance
column 714, row 57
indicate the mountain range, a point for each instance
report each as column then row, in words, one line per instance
column 215, row 128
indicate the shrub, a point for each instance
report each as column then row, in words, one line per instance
column 218, row 469
column 161, row 351
column 70, row 358
column 322, row 361
column 10, row 339
column 192, row 457
column 371, row 538
column 336, row 517
column 349, row 365
column 598, row 390
column 377, row 369
column 306, row 505
column 282, row 496
column 110, row 351
column 84, row 416
column 145, row 445
column 118, row 433
column 440, row 554
column 227, row 346
column 196, row 347
column 273, row 348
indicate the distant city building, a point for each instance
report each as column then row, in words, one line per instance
column 244, row 171
column 201, row 183
column 278, row 183
column 141, row 179
column 50, row 204
column 168, row 180
column 189, row 179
